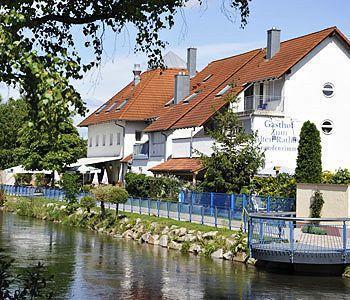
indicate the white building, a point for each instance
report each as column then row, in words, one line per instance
column 278, row 88
column 115, row 130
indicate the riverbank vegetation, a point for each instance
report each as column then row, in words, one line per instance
column 183, row 236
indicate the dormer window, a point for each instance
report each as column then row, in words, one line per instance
column 207, row 78
column 190, row 97
column 170, row 102
column 114, row 104
column 101, row 109
column 121, row 105
column 223, row 91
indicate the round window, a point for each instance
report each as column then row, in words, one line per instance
column 327, row 127
column 328, row 89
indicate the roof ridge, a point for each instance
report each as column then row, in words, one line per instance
column 210, row 92
column 256, row 49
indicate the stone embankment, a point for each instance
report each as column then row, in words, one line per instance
column 160, row 232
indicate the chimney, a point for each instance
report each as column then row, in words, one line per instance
column 192, row 61
column 273, row 42
column 137, row 73
column 181, row 87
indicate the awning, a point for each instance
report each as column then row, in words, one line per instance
column 179, row 166
column 21, row 170
column 93, row 160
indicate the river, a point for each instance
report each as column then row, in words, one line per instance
column 91, row 266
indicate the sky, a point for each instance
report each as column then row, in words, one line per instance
column 215, row 36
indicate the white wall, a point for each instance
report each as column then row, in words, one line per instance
column 106, row 130
column 304, row 100
column 111, row 129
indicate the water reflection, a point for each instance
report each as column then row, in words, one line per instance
column 91, row 266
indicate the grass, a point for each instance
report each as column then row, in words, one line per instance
column 26, row 208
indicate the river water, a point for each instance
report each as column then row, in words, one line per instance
column 91, row 266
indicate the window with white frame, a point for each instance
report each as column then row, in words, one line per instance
column 90, row 142
column 118, row 138
column 111, row 139
column 104, row 140
column 97, row 140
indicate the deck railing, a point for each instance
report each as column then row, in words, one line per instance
column 284, row 237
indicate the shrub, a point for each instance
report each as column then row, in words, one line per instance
column 101, row 194
column 309, row 163
column 70, row 186
column 23, row 179
column 40, row 179
column 88, row 202
column 142, row 186
column 282, row 185
column 341, row 176
column 316, row 205
column 117, row 195
column 313, row 229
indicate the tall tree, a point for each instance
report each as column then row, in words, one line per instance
column 38, row 55
column 236, row 157
column 309, row 160
column 13, row 114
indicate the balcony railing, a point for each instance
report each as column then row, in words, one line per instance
column 265, row 102
column 141, row 151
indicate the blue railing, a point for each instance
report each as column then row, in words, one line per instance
column 236, row 203
column 283, row 237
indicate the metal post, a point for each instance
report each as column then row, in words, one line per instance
column 291, row 240
column 190, row 212
column 233, row 202
column 216, row 217
column 158, row 207
column 250, row 235
column 149, row 207
column 229, row 219
column 268, row 204
column 344, row 240
column 212, row 203
column 140, row 206
column 202, row 215
column 244, row 201
column 167, row 208
column 261, row 231
column 178, row 210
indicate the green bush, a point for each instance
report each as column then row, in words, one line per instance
column 341, row 176
column 313, row 229
column 142, row 186
column 309, row 163
column 88, row 202
column 282, row 185
column 40, row 180
column 316, row 205
column 101, row 194
column 117, row 195
column 23, row 179
column 70, row 186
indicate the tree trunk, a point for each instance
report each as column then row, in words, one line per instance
column 117, row 209
column 103, row 210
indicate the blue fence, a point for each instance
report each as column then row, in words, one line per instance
column 27, row 191
column 236, row 203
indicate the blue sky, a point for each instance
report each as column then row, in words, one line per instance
column 208, row 29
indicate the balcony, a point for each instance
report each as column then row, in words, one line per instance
column 266, row 104
column 141, row 151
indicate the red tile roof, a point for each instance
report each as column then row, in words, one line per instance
column 153, row 91
column 179, row 165
column 126, row 159
column 237, row 70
